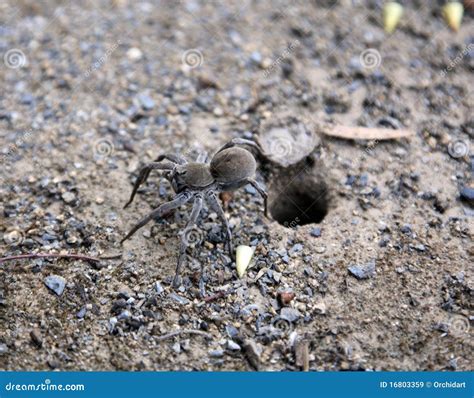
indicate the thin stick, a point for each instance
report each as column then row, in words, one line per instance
column 216, row 296
column 183, row 331
column 50, row 255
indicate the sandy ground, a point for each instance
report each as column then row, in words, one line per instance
column 90, row 91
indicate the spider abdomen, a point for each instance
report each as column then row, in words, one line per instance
column 232, row 165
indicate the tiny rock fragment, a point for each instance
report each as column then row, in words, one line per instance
column 232, row 346
column 302, row 354
column 55, row 283
column 290, row 314
column 252, row 352
column 392, row 12
column 243, row 256
column 453, row 13
column 320, row 307
column 467, row 194
column 285, row 298
column 36, row 338
column 68, row 197
column 3, row 349
column 363, row 271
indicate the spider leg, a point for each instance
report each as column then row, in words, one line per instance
column 261, row 191
column 240, row 141
column 216, row 206
column 143, row 176
column 164, row 208
column 172, row 158
column 197, row 207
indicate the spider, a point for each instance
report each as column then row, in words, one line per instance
column 230, row 168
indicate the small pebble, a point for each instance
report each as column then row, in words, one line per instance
column 146, row 101
column 178, row 299
column 55, row 283
column 3, row 349
column 285, row 298
column 82, row 312
column 406, row 229
column 467, row 194
column 13, row 237
column 315, row 232
column 68, row 197
column 158, row 288
column 290, row 314
column 232, row 346
column 216, row 353
column 363, row 271
column 36, row 338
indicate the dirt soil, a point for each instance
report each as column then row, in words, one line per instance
column 379, row 277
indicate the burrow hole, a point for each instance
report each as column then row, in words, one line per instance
column 298, row 198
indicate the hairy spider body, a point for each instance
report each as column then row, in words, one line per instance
column 229, row 169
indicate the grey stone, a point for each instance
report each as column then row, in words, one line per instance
column 55, row 283
column 363, row 271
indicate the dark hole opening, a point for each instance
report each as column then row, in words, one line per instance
column 303, row 200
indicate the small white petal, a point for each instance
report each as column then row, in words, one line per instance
column 243, row 256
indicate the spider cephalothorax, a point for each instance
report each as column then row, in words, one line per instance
column 230, row 168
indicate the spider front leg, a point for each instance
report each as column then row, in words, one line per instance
column 216, row 206
column 185, row 238
column 240, row 141
column 179, row 200
column 144, row 173
column 172, row 158
column 261, row 191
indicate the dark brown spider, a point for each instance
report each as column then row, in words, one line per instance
column 229, row 169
